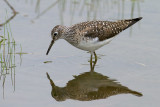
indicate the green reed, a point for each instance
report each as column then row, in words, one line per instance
column 7, row 55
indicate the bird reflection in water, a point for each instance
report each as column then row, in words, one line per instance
column 89, row 86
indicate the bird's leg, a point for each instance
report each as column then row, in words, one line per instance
column 91, row 62
column 95, row 60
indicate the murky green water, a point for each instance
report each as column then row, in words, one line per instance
column 127, row 67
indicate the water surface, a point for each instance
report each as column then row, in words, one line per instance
column 131, row 60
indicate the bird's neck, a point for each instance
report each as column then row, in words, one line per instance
column 65, row 31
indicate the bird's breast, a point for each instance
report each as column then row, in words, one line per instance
column 92, row 44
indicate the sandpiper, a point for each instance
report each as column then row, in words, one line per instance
column 90, row 35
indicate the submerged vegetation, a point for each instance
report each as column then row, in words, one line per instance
column 13, row 11
column 7, row 55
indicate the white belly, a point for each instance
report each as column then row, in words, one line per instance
column 92, row 45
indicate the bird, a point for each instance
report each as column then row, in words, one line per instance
column 90, row 35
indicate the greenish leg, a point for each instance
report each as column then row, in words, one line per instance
column 94, row 61
column 95, row 58
column 91, row 62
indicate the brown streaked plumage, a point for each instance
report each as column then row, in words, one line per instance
column 90, row 35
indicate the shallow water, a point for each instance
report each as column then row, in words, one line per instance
column 131, row 59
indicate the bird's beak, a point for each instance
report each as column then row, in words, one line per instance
column 51, row 44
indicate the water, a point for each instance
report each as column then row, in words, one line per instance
column 131, row 60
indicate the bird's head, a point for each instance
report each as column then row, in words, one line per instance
column 56, row 33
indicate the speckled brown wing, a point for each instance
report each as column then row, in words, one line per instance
column 105, row 29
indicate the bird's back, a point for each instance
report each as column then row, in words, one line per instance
column 102, row 29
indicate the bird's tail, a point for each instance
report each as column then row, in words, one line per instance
column 132, row 21
column 120, row 25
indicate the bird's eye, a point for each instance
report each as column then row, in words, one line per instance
column 55, row 33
